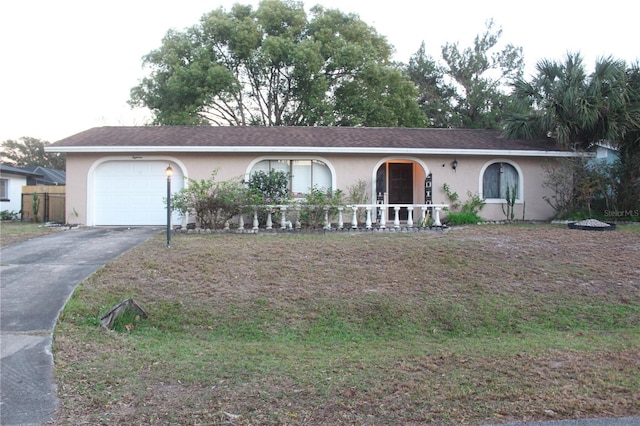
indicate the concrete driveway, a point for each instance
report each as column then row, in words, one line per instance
column 37, row 277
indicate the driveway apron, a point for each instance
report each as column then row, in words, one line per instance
column 37, row 277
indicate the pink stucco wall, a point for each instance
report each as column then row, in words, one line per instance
column 348, row 169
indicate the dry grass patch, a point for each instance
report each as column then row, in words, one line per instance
column 14, row 232
column 473, row 325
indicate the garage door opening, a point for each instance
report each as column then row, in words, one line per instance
column 133, row 192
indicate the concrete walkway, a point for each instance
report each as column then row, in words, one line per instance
column 37, row 277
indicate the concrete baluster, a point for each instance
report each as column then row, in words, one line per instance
column 283, row 217
column 396, row 217
column 354, row 218
column 436, row 219
column 255, row 220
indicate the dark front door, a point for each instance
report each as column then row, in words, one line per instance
column 400, row 187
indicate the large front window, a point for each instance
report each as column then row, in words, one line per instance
column 304, row 174
column 497, row 179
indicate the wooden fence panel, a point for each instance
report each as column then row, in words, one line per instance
column 51, row 204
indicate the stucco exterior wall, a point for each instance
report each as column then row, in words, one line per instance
column 347, row 170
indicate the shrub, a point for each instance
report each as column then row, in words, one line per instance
column 9, row 215
column 213, row 203
column 317, row 202
column 461, row 218
column 358, row 194
column 462, row 213
column 273, row 186
column 581, row 187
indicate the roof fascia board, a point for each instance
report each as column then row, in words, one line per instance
column 314, row 150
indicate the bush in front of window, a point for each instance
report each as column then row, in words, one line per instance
column 272, row 186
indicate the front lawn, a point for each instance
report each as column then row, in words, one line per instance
column 15, row 231
column 482, row 324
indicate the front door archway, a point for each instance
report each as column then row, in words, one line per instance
column 396, row 182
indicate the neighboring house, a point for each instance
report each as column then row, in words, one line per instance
column 12, row 179
column 46, row 176
column 117, row 174
column 606, row 153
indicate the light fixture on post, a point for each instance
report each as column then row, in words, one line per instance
column 454, row 165
column 169, row 172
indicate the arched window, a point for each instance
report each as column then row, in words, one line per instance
column 304, row 174
column 498, row 178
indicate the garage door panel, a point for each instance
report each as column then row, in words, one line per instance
column 132, row 192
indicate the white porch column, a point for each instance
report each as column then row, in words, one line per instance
column 327, row 225
column 354, row 218
column 409, row 216
column 296, row 208
column 396, row 217
column 383, row 221
column 423, row 216
column 269, row 220
column 436, row 219
column 340, row 223
column 368, row 223
column 255, row 220
column 283, row 217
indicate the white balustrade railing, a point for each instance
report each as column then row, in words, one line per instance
column 374, row 214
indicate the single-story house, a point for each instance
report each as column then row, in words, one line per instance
column 12, row 179
column 45, row 176
column 116, row 175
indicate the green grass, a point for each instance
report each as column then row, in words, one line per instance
column 480, row 325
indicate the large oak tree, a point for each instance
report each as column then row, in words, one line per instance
column 277, row 66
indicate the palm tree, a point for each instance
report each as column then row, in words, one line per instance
column 579, row 109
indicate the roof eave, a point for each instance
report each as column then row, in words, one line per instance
column 312, row 149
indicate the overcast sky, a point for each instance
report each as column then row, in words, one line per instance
column 69, row 65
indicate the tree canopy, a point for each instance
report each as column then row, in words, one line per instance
column 580, row 109
column 467, row 88
column 29, row 151
column 276, row 66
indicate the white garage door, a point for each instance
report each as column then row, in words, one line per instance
column 133, row 192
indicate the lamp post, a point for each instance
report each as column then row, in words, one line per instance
column 169, row 172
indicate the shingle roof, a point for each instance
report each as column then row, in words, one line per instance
column 18, row 171
column 298, row 137
column 48, row 176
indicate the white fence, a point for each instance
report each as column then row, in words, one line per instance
column 278, row 216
